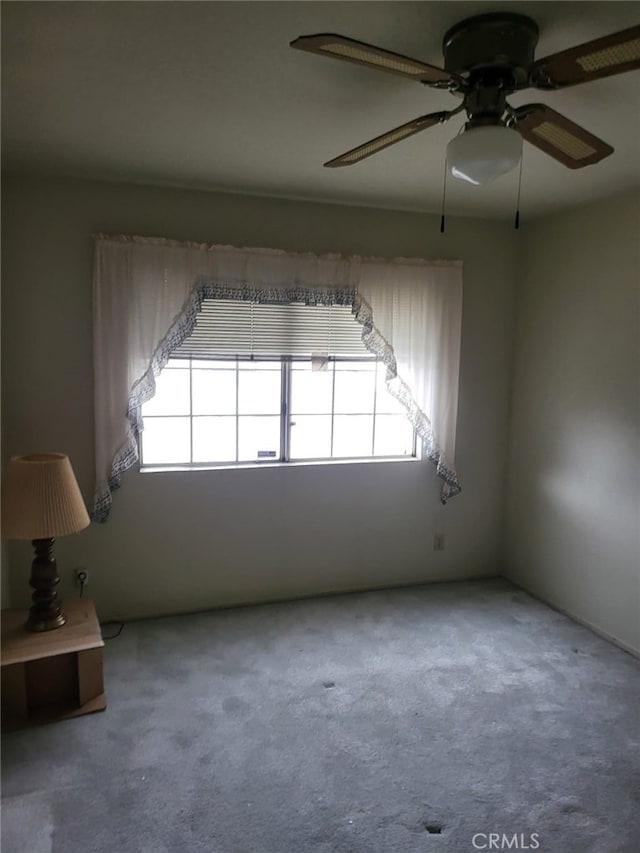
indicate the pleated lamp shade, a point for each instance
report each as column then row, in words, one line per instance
column 41, row 498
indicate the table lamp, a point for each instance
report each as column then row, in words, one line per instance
column 40, row 501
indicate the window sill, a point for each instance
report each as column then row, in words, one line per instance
column 252, row 466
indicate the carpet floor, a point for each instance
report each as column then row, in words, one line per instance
column 447, row 717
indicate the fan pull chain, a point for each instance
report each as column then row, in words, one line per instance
column 517, row 222
column 444, row 193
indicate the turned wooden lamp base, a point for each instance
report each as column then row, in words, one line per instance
column 36, row 624
column 45, row 613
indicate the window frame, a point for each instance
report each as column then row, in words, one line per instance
column 284, row 459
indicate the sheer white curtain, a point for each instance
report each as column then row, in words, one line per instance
column 417, row 307
column 147, row 294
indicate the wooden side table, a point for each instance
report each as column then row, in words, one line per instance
column 51, row 675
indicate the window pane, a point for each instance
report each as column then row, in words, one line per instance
column 354, row 391
column 259, row 392
column 352, row 435
column 166, row 441
column 214, row 392
column 386, row 402
column 213, row 364
column 258, row 365
column 258, row 438
column 367, row 366
column 172, row 394
column 214, row 439
column 311, row 437
column 394, row 436
column 311, row 390
column 218, row 390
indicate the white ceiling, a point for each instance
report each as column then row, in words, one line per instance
column 210, row 95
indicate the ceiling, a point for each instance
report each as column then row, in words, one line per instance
column 209, row 95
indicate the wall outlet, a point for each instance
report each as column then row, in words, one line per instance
column 438, row 542
column 82, row 577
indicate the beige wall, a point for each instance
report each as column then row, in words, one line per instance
column 573, row 508
column 183, row 541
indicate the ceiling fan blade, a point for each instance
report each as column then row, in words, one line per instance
column 601, row 57
column 557, row 136
column 388, row 138
column 329, row 44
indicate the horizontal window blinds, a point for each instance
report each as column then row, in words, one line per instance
column 234, row 327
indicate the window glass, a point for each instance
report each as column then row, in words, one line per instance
column 311, row 437
column 250, row 365
column 166, row 441
column 363, row 366
column 259, row 391
column 231, row 411
column 394, row 436
column 354, row 391
column 172, row 394
column 214, row 439
column 352, row 435
column 214, row 392
column 258, row 438
column 212, row 364
column 311, row 390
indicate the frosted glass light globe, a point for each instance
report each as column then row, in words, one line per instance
column 482, row 154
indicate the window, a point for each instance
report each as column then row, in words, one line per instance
column 149, row 292
column 234, row 411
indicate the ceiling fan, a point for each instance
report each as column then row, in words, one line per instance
column 486, row 59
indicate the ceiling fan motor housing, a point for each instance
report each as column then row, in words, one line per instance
column 492, row 49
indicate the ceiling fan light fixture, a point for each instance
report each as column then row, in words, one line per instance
column 482, row 154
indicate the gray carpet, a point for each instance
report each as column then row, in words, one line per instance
column 404, row 721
